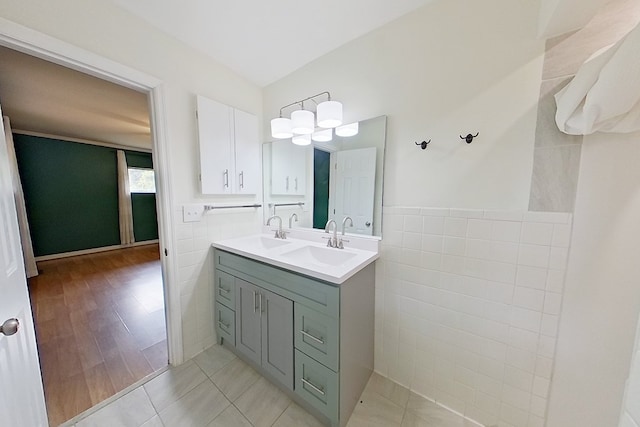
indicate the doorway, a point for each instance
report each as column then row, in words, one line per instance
column 124, row 261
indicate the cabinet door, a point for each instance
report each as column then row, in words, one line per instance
column 215, row 137
column 277, row 337
column 247, row 153
column 248, row 336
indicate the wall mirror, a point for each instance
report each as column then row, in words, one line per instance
column 328, row 180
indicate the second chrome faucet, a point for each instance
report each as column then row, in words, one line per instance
column 333, row 241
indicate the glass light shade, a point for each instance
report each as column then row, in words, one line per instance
column 347, row 130
column 322, row 135
column 302, row 122
column 301, row 139
column 281, row 128
column 329, row 114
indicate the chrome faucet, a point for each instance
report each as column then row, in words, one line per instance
column 344, row 224
column 280, row 234
column 333, row 241
column 293, row 215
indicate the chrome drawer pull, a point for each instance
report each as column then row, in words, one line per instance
column 316, row 339
column 319, row 390
column 223, row 325
column 226, row 291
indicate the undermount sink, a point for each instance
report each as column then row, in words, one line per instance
column 318, row 255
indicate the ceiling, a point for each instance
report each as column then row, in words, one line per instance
column 42, row 97
column 275, row 39
column 267, row 40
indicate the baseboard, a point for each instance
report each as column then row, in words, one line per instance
column 94, row 250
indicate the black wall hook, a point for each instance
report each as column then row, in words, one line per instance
column 423, row 144
column 469, row 137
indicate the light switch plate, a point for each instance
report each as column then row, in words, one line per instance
column 192, row 213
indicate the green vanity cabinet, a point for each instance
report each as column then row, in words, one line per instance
column 312, row 337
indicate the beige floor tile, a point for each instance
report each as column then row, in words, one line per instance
column 235, row 379
column 213, row 359
column 375, row 410
column 131, row 410
column 389, row 389
column 263, row 403
column 173, row 384
column 295, row 416
column 197, row 408
column 422, row 412
column 230, row 417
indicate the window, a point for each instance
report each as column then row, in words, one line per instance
column 142, row 180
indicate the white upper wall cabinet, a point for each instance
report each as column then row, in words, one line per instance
column 229, row 149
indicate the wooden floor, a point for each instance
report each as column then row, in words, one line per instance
column 100, row 326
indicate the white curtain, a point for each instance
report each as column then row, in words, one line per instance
column 124, row 201
column 605, row 93
column 25, row 234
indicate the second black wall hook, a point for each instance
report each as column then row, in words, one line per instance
column 469, row 138
column 423, row 144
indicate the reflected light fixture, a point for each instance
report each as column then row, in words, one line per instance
column 328, row 115
column 301, row 139
column 324, row 135
column 348, row 130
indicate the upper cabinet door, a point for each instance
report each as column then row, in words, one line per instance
column 247, row 151
column 215, row 136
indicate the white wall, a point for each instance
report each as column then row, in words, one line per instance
column 103, row 28
column 602, row 296
column 630, row 416
column 448, row 69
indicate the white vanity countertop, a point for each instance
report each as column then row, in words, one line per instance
column 306, row 252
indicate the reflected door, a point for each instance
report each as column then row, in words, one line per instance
column 355, row 187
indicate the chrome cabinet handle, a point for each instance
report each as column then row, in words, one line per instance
column 319, row 390
column 224, row 325
column 316, row 339
column 225, row 175
column 255, row 303
column 226, row 291
column 296, row 181
column 287, row 184
column 261, row 307
column 242, row 179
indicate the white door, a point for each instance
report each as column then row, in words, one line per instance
column 355, row 188
column 21, row 392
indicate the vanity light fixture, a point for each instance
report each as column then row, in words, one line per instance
column 347, row 130
column 328, row 115
column 325, row 135
column 301, row 139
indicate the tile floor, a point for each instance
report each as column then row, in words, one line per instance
column 216, row 389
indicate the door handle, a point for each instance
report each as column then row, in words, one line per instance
column 10, row 327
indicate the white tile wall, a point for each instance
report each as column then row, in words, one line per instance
column 467, row 308
column 195, row 269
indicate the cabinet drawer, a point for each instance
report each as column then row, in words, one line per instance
column 226, row 323
column 225, row 289
column 317, row 385
column 313, row 293
column 316, row 335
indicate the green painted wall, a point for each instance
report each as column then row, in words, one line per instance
column 321, row 166
column 71, row 195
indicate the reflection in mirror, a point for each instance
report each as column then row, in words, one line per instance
column 328, row 180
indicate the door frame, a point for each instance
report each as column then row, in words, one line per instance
column 34, row 43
